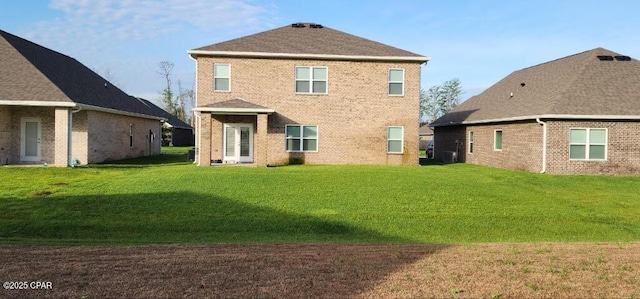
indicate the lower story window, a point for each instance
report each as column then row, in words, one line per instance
column 588, row 144
column 395, row 140
column 301, row 138
column 497, row 140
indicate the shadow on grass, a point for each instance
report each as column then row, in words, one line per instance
column 149, row 218
column 431, row 162
column 157, row 160
column 276, row 257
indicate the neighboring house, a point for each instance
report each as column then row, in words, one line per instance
column 55, row 110
column 179, row 132
column 305, row 93
column 576, row 115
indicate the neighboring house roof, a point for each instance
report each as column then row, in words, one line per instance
column 234, row 106
column 33, row 75
column 596, row 84
column 308, row 41
column 425, row 131
column 170, row 118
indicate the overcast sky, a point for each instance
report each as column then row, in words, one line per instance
column 478, row 42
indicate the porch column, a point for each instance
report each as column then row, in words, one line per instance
column 261, row 140
column 61, row 135
column 204, row 134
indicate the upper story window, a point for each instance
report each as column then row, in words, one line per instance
column 311, row 79
column 395, row 140
column 588, row 144
column 221, row 77
column 396, row 82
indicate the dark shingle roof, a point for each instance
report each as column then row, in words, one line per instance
column 308, row 40
column 170, row 118
column 30, row 72
column 576, row 85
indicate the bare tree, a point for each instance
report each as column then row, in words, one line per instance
column 165, row 69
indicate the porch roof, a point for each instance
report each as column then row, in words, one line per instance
column 235, row 106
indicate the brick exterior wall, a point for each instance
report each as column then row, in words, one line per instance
column 522, row 146
column 444, row 142
column 108, row 137
column 47, row 133
column 352, row 118
column 623, row 148
column 97, row 136
column 6, row 145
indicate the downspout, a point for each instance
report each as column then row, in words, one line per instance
column 197, row 115
column 544, row 145
column 198, row 130
column 70, row 135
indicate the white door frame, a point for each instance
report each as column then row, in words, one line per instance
column 236, row 156
column 23, row 139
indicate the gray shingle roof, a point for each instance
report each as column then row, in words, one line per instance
column 30, row 72
column 308, row 40
column 170, row 118
column 576, row 85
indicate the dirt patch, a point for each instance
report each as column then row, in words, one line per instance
column 60, row 184
column 326, row 270
column 41, row 193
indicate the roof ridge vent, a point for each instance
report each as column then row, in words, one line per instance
column 298, row 25
column 622, row 58
column 605, row 57
column 318, row 26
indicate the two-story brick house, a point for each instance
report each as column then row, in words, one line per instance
column 579, row 114
column 305, row 93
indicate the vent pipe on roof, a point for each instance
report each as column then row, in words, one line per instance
column 297, row 25
column 318, row 26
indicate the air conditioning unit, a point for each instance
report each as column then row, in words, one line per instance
column 450, row 157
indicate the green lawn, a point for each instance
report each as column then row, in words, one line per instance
column 166, row 199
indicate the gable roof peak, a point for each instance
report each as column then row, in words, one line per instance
column 306, row 40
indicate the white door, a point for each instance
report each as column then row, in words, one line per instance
column 30, row 139
column 238, row 143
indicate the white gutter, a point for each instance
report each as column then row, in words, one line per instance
column 544, row 145
column 120, row 112
column 546, row 116
column 70, row 137
column 240, row 111
column 309, row 56
column 38, row 103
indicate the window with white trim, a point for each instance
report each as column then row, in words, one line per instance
column 396, row 82
column 470, row 142
column 588, row 144
column 395, row 140
column 497, row 140
column 301, row 138
column 221, row 77
column 311, row 79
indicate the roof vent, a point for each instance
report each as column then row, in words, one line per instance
column 316, row 26
column 297, row 25
column 605, row 57
column 623, row 58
